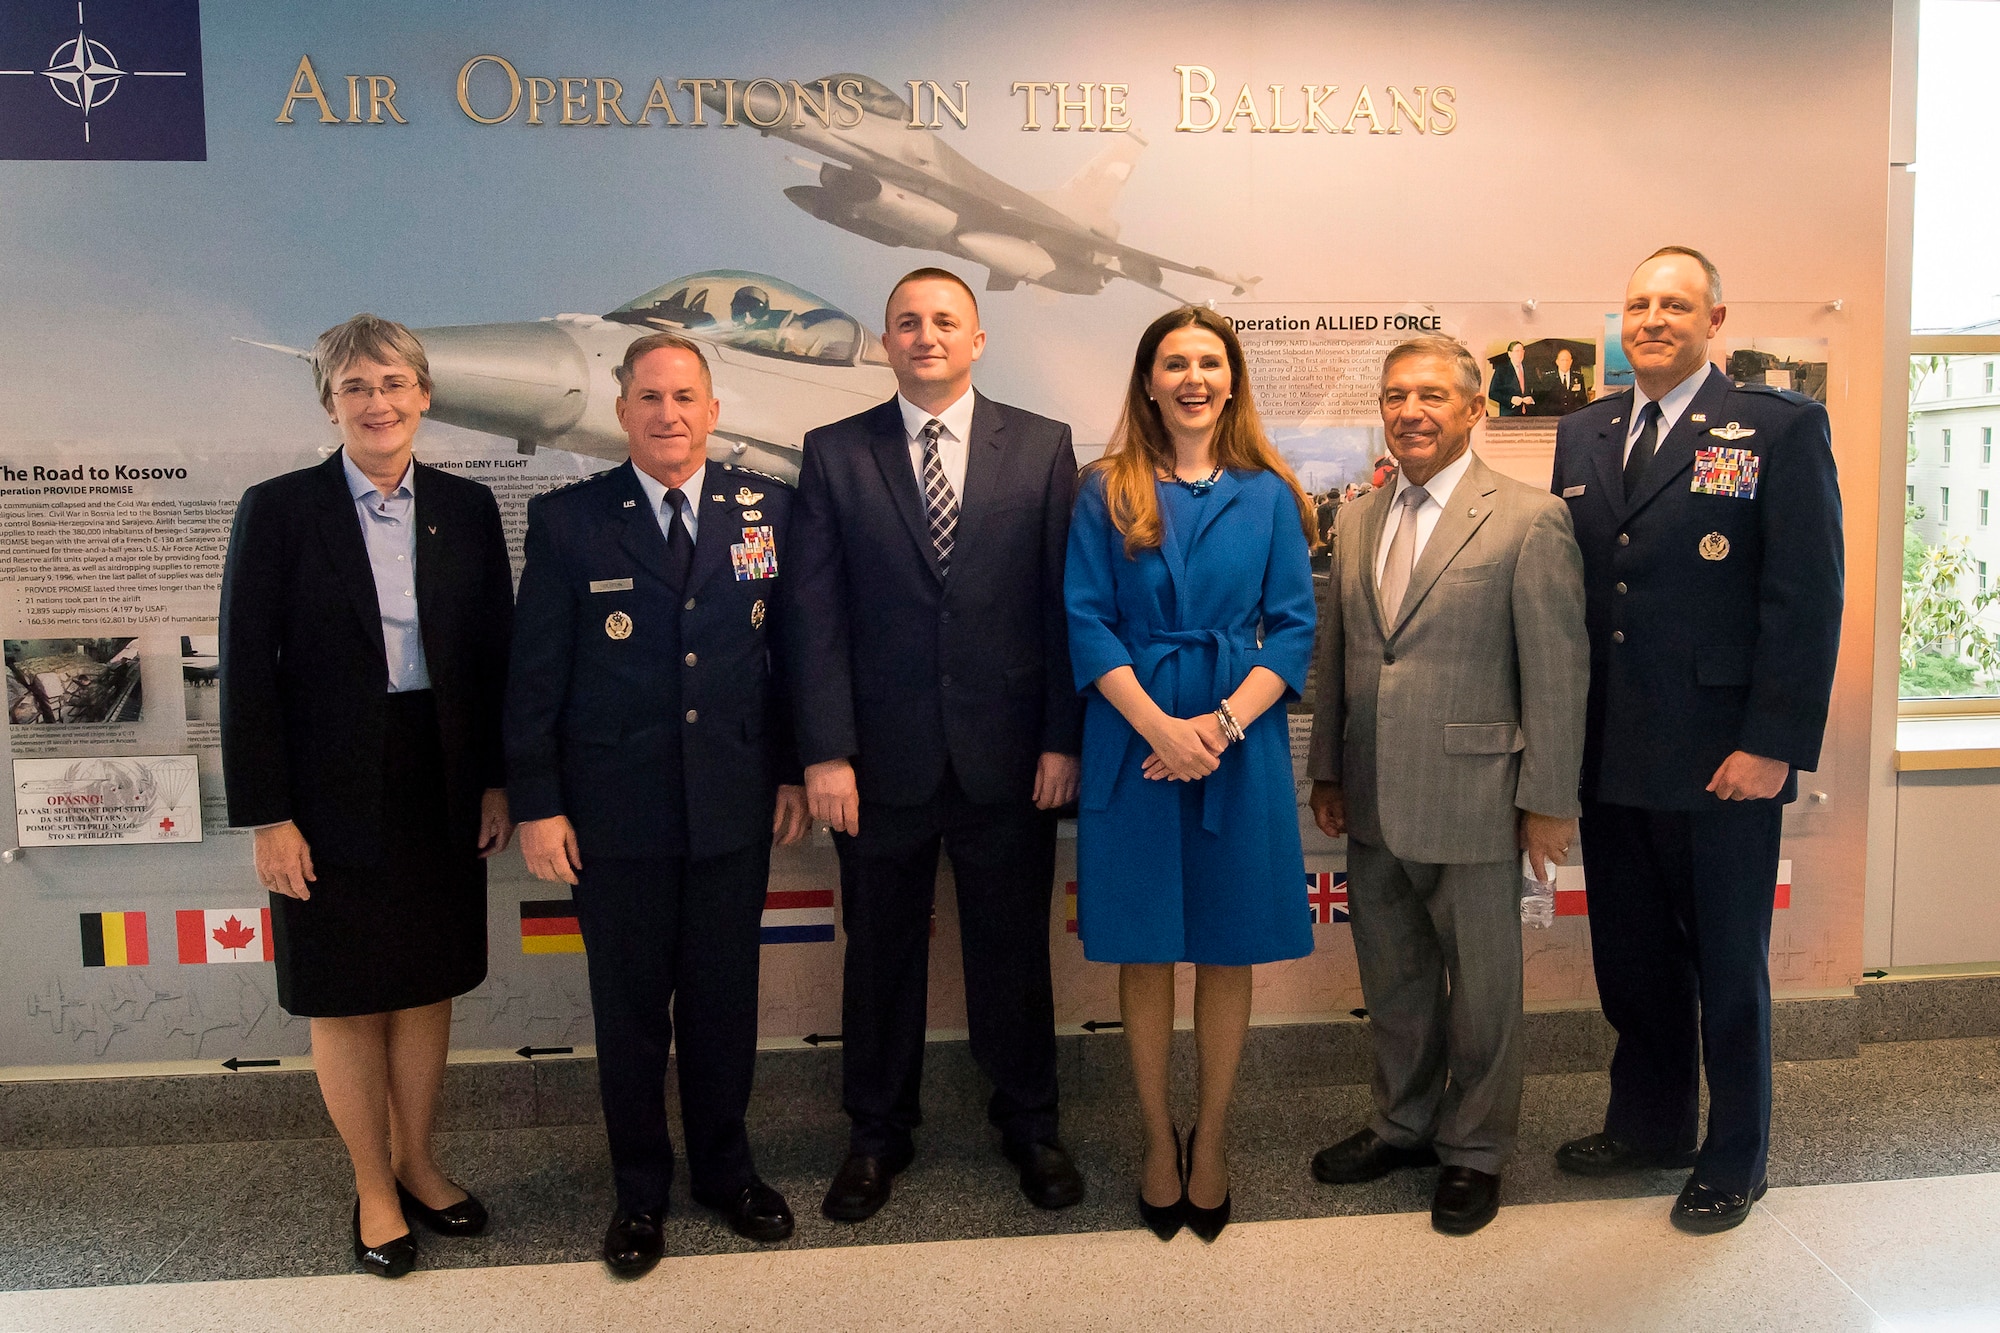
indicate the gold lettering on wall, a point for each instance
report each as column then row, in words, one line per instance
column 305, row 88
column 465, row 89
column 1427, row 110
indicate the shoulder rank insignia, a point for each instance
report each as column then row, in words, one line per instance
column 746, row 496
column 1735, row 430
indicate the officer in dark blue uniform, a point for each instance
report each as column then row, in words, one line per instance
column 1709, row 518
column 650, row 763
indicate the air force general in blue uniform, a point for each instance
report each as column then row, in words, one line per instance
column 649, row 712
column 1709, row 518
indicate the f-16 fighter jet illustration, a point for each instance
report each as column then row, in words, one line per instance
column 900, row 186
column 784, row 362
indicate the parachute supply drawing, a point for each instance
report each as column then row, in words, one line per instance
column 138, row 798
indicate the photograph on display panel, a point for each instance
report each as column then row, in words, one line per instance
column 72, row 681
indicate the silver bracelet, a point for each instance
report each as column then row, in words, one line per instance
column 1226, row 719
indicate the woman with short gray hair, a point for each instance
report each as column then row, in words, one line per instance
column 366, row 607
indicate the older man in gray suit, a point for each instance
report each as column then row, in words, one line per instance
column 1447, row 738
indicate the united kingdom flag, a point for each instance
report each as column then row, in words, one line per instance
column 1326, row 893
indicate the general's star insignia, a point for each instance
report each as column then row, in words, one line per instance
column 1733, row 431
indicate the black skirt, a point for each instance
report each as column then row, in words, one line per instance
column 407, row 933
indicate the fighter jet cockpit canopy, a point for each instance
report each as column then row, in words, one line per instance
column 875, row 97
column 754, row 312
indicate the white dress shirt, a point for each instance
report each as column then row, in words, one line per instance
column 1439, row 489
column 1672, row 403
column 953, row 443
column 389, row 531
column 656, row 495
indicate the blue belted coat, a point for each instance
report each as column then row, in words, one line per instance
column 1205, row 872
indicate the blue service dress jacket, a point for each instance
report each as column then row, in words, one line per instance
column 1212, row 871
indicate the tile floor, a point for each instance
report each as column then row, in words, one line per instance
column 1882, row 1217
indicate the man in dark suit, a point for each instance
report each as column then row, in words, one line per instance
column 1709, row 519
column 650, row 764
column 1509, row 392
column 926, row 592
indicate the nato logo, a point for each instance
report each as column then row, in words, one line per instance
column 101, row 80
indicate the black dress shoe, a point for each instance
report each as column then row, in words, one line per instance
column 1602, row 1155
column 755, row 1212
column 1165, row 1220
column 1048, row 1177
column 861, row 1186
column 1465, row 1201
column 1206, row 1223
column 634, row 1242
column 1367, row 1156
column 467, row 1217
column 389, row 1259
column 1705, row 1210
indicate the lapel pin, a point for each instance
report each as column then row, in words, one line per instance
column 1472, row 513
column 434, row 529
column 1616, row 420
column 1698, row 418
column 631, row 504
column 716, row 498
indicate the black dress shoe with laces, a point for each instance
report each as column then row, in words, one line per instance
column 1705, row 1210
column 755, row 1212
column 1603, row 1155
column 467, row 1217
column 1465, row 1201
column 1367, row 1156
column 1049, row 1178
column 634, row 1242
column 861, row 1186
column 391, row 1258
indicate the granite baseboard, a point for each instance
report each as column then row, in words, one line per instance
column 804, row 1084
column 1929, row 1008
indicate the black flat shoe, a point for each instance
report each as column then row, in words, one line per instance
column 1366, row 1156
column 755, row 1212
column 1704, row 1210
column 1465, row 1200
column 1049, row 1177
column 861, row 1186
column 1166, row 1219
column 467, row 1217
column 389, row 1259
column 634, row 1242
column 1602, row 1155
column 1204, row 1222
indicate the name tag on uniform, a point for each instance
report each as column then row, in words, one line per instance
column 611, row 585
column 756, row 556
column 1571, row 492
column 1731, row 473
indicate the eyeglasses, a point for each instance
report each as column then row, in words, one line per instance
column 356, row 394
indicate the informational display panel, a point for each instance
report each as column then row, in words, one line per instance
column 193, row 192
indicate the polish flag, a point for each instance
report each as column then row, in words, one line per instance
column 224, row 935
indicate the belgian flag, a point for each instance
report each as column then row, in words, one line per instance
column 113, row 939
column 549, row 925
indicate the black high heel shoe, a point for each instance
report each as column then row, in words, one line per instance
column 1164, row 1219
column 389, row 1259
column 1204, row 1222
column 467, row 1217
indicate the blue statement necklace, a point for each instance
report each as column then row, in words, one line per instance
column 1201, row 487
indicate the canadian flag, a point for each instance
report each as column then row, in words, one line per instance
column 224, row 935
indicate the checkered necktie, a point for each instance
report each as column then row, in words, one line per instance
column 938, row 496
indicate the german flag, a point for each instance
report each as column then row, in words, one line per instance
column 113, row 939
column 548, row 925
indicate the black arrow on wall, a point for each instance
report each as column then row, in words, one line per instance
column 821, row 1038
column 232, row 1064
column 530, row 1052
column 1102, row 1025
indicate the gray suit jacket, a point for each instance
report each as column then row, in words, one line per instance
column 1469, row 708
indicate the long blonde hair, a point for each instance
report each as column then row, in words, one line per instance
column 1140, row 448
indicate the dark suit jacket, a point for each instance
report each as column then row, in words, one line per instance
column 1714, row 620
column 901, row 667
column 672, row 740
column 1506, row 386
column 304, row 675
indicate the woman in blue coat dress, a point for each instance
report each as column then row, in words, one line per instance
column 1189, row 591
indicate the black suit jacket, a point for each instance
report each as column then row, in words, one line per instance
column 901, row 667
column 672, row 740
column 1714, row 620
column 305, row 679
